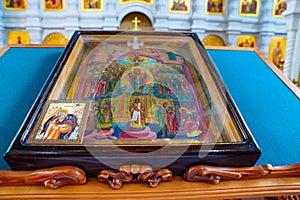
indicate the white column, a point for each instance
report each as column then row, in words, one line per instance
column 2, row 38
column 198, row 19
column 33, row 22
column 110, row 16
column 266, row 28
column 71, row 17
column 292, row 55
column 161, row 16
column 233, row 22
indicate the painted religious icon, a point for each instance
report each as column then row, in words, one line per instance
column 92, row 5
column 150, row 2
column 15, row 4
column 214, row 7
column 277, row 51
column 249, row 7
column 246, row 41
column 279, row 7
column 62, row 122
column 179, row 6
column 54, row 5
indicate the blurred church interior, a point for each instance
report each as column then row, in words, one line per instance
column 272, row 26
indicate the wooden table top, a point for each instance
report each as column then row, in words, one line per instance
column 176, row 189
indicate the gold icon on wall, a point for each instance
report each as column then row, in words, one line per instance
column 213, row 40
column 214, row 7
column 15, row 4
column 179, row 6
column 150, row 2
column 277, row 51
column 18, row 38
column 249, row 8
column 56, row 5
column 246, row 41
column 56, row 38
column 279, row 7
column 92, row 5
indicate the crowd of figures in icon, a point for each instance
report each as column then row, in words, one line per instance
column 141, row 94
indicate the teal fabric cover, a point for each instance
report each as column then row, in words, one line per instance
column 23, row 71
column 270, row 109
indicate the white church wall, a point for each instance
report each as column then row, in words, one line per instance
column 228, row 26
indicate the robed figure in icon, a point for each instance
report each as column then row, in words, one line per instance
column 280, row 7
column 171, row 121
column 105, row 114
column 137, row 79
column 59, row 126
column 137, row 113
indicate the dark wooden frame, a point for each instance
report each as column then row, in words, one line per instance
column 24, row 157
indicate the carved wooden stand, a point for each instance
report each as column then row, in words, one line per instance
column 213, row 174
column 133, row 174
column 51, row 177
column 67, row 175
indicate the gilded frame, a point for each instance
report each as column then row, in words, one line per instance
column 249, row 8
column 58, row 6
column 215, row 7
column 179, row 6
column 18, row 5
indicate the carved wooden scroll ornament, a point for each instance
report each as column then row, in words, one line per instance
column 213, row 174
column 51, row 177
column 133, row 174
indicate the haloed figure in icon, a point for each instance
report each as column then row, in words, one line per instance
column 60, row 126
